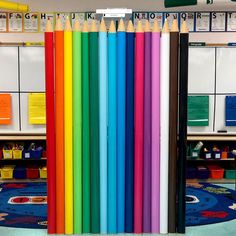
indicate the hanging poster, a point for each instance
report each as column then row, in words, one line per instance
column 3, row 22
column 231, row 21
column 15, row 22
column 230, row 111
column 218, row 21
column 170, row 16
column 5, row 109
column 43, row 20
column 140, row 16
column 31, row 22
column 189, row 18
column 202, row 21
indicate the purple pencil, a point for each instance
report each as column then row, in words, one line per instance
column 147, row 132
column 155, row 126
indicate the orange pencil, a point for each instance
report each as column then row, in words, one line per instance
column 60, row 179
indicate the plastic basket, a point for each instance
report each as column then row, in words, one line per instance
column 224, row 155
column 32, row 173
column 7, row 154
column 17, row 154
column 43, row 172
column 7, row 172
column 216, row 172
column 202, row 172
column 19, row 173
column 216, row 154
column 230, row 174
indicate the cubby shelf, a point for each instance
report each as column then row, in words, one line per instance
column 213, row 160
column 212, row 137
column 22, row 136
column 214, row 181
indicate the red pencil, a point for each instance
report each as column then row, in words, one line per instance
column 50, row 115
column 138, row 127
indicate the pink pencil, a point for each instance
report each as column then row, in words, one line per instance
column 155, row 78
column 138, row 127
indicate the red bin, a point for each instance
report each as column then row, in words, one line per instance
column 32, row 173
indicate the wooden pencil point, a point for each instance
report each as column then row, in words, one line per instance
column 130, row 27
column 49, row 26
column 93, row 27
column 121, row 26
column 67, row 25
column 147, row 26
column 103, row 27
column 85, row 26
column 174, row 27
column 76, row 25
column 139, row 27
column 165, row 28
column 184, row 28
column 58, row 25
column 155, row 27
column 112, row 28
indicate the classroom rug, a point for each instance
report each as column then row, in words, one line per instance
column 209, row 204
column 23, row 205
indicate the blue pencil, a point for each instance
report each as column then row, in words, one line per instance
column 121, row 94
column 103, row 125
column 111, row 198
column 129, row 137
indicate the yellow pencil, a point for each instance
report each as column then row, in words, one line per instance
column 68, row 128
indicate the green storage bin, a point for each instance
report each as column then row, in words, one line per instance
column 230, row 174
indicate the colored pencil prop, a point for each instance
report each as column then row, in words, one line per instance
column 111, row 188
column 121, row 92
column 173, row 119
column 164, row 127
column 68, row 133
column 103, row 124
column 147, row 132
column 85, row 130
column 49, row 70
column 138, row 127
column 183, row 103
column 155, row 132
column 59, row 122
column 77, row 129
column 129, row 129
column 94, row 129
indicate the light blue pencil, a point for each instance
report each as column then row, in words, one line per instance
column 103, row 125
column 111, row 198
column 121, row 92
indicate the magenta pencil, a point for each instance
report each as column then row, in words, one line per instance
column 155, row 133
column 138, row 127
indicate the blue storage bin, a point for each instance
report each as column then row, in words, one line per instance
column 191, row 173
column 19, row 173
column 202, row 172
column 32, row 154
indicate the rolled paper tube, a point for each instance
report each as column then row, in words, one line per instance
column 121, row 92
column 155, row 170
column 59, row 102
column 173, row 116
column 183, row 102
column 51, row 163
column 103, row 124
column 129, row 138
column 138, row 127
column 147, row 132
column 77, row 128
column 164, row 124
column 85, row 129
column 111, row 188
column 68, row 133
column 94, row 129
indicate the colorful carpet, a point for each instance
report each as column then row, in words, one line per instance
column 209, row 204
column 23, row 205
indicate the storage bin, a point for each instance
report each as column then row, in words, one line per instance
column 17, row 154
column 7, row 172
column 216, row 154
column 207, row 155
column 32, row 154
column 216, row 172
column 43, row 172
column 224, row 155
column 0, row 154
column 7, row 154
column 32, row 173
column 19, row 173
column 191, row 173
column 230, row 174
column 202, row 172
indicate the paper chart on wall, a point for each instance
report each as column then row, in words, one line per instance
column 231, row 21
column 43, row 20
column 5, row 109
column 15, row 22
column 218, row 21
column 3, row 22
column 156, row 15
column 31, row 22
column 202, row 21
column 189, row 18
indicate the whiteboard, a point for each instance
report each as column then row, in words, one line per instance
column 9, row 69
column 32, row 69
column 226, row 70
column 205, row 129
column 14, row 126
column 220, row 115
column 25, row 126
column 201, row 77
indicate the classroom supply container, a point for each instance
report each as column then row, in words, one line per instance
column 191, row 173
column 32, row 173
column 207, row 155
column 216, row 154
column 230, row 174
column 17, row 154
column 202, row 172
column 43, row 172
column 0, row 154
column 19, row 173
column 7, row 154
column 216, row 172
column 224, row 155
column 7, row 172
column 32, row 154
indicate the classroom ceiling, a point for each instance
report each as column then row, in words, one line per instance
column 90, row 5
